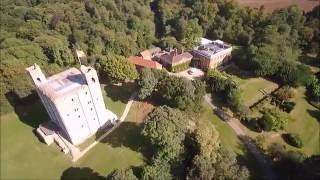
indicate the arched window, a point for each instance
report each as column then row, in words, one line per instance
column 39, row 79
column 93, row 80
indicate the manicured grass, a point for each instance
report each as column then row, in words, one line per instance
column 306, row 124
column 251, row 87
column 116, row 97
column 227, row 136
column 304, row 121
column 23, row 156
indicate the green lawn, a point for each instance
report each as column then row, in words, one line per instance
column 250, row 89
column 116, row 97
column 306, row 124
column 230, row 140
column 23, row 156
column 250, row 86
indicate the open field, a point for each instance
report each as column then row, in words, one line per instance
column 251, row 87
column 270, row 5
column 23, row 156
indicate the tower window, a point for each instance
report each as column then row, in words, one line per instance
column 78, row 116
column 93, row 80
column 72, row 99
column 39, row 79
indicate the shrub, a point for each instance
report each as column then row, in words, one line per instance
column 180, row 67
column 288, row 106
column 293, row 140
column 284, row 93
column 272, row 119
column 252, row 124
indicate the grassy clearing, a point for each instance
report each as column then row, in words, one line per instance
column 250, row 86
column 251, row 89
column 116, row 97
column 306, row 124
column 23, row 156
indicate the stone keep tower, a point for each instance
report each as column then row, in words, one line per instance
column 73, row 100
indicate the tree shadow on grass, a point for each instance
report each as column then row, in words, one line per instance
column 253, row 125
column 248, row 160
column 29, row 109
column 128, row 134
column 120, row 92
column 315, row 114
column 308, row 60
column 236, row 71
column 76, row 173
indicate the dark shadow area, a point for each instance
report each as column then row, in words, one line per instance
column 260, row 159
column 76, row 79
column 248, row 160
column 294, row 166
column 252, row 124
column 76, row 173
column 29, row 109
column 315, row 114
column 308, row 60
column 128, row 134
column 120, row 92
column 285, row 137
column 157, row 19
column 236, row 71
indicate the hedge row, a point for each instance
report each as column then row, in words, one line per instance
column 180, row 67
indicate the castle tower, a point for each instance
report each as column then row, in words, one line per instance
column 73, row 100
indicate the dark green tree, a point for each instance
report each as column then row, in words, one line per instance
column 123, row 174
column 166, row 128
column 116, row 68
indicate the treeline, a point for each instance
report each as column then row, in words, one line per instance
column 47, row 31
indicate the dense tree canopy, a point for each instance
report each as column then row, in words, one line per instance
column 116, row 68
column 171, row 90
column 123, row 174
column 224, row 85
column 166, row 128
column 46, row 32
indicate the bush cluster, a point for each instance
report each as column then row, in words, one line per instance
column 293, row 140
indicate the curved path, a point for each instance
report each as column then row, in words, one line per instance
column 122, row 118
column 260, row 157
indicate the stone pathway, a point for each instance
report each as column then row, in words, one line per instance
column 260, row 157
column 122, row 118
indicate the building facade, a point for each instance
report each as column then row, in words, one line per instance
column 211, row 54
column 73, row 100
column 175, row 57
